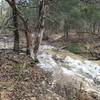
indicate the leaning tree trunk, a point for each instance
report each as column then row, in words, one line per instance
column 15, row 23
column 38, row 35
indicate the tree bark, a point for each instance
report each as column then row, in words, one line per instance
column 16, row 14
column 45, row 35
column 38, row 36
column 66, row 28
column 28, row 34
column 15, row 23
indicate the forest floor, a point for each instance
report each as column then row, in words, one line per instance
column 22, row 79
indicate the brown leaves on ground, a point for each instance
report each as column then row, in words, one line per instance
column 21, row 79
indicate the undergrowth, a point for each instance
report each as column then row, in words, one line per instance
column 74, row 48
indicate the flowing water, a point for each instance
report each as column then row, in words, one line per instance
column 69, row 67
column 66, row 67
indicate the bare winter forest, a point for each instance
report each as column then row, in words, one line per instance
column 49, row 49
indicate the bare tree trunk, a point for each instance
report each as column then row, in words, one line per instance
column 33, row 43
column 45, row 35
column 28, row 34
column 66, row 28
column 16, row 14
column 15, row 23
column 94, row 27
column 39, row 29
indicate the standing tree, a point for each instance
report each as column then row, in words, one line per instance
column 39, row 28
column 15, row 22
column 32, row 44
column 16, row 14
column 12, row 4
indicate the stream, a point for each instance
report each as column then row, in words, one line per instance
column 66, row 67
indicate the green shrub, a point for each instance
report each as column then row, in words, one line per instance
column 74, row 48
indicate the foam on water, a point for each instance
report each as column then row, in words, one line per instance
column 70, row 66
column 87, row 67
column 83, row 68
